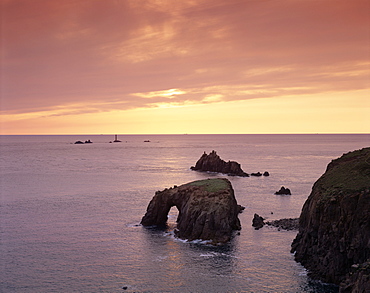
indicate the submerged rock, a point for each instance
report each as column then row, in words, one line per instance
column 213, row 163
column 334, row 225
column 207, row 209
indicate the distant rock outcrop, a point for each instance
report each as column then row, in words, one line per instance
column 283, row 191
column 207, row 210
column 257, row 222
column 258, row 174
column 333, row 241
column 81, row 142
column 285, row 224
column 213, row 163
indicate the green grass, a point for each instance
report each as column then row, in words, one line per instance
column 350, row 172
column 211, row 185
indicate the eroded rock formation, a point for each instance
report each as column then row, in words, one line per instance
column 207, row 209
column 213, row 163
column 334, row 226
column 257, row 222
column 283, row 191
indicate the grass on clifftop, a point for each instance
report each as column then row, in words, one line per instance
column 211, row 185
column 350, row 172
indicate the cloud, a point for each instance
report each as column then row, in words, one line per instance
column 170, row 94
column 62, row 57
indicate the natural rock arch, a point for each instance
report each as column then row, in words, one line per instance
column 207, row 210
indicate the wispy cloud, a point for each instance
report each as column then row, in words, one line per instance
column 63, row 57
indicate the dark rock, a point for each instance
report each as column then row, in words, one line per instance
column 207, row 210
column 79, row 142
column 258, row 174
column 285, row 224
column 213, row 163
column 283, row 191
column 334, row 225
column 88, row 141
column 240, row 208
column 257, row 222
column 357, row 280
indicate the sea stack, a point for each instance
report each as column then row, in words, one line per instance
column 213, row 163
column 333, row 241
column 207, row 209
column 283, row 191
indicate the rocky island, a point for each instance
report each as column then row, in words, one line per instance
column 333, row 241
column 207, row 209
column 213, row 163
column 283, row 191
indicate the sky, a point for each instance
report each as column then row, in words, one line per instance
column 190, row 66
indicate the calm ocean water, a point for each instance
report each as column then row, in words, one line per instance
column 70, row 213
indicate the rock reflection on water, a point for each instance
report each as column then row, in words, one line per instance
column 188, row 266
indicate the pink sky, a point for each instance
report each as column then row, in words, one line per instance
column 65, row 64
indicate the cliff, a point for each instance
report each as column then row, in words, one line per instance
column 213, row 163
column 207, row 210
column 334, row 225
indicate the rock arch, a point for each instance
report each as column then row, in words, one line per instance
column 207, row 210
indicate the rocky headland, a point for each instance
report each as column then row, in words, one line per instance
column 213, row 163
column 207, row 209
column 333, row 241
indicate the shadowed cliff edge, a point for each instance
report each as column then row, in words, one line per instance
column 333, row 241
column 207, row 210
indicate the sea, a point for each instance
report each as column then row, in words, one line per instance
column 70, row 213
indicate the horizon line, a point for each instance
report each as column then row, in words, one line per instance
column 282, row 133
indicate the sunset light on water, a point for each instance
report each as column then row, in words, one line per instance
column 110, row 106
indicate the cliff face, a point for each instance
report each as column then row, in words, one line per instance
column 207, row 210
column 334, row 226
column 214, row 163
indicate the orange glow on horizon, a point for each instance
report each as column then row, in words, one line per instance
column 313, row 114
column 204, row 66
